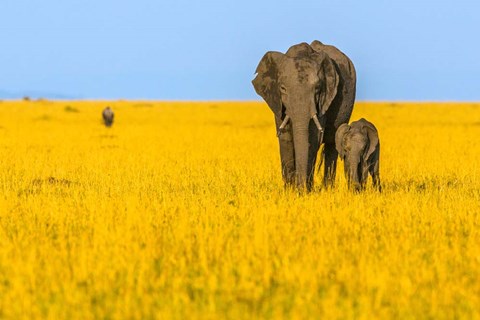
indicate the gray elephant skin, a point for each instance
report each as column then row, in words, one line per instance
column 358, row 145
column 108, row 115
column 311, row 91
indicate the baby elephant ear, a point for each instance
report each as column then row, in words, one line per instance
column 339, row 137
column 266, row 81
column 373, row 140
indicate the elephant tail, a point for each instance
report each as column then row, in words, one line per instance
column 322, row 156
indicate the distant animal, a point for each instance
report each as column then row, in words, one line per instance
column 359, row 147
column 108, row 115
column 310, row 90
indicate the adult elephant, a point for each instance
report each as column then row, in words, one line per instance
column 311, row 91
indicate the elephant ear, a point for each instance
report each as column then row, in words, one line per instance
column 339, row 138
column 266, row 81
column 328, row 72
column 372, row 134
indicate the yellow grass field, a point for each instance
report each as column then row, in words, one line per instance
column 178, row 212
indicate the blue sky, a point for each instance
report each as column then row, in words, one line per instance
column 208, row 50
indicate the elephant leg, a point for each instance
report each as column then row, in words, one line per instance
column 346, row 171
column 364, row 174
column 375, row 173
column 287, row 154
column 331, row 156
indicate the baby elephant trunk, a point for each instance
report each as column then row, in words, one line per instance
column 355, row 175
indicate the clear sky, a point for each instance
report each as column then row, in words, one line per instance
column 208, row 50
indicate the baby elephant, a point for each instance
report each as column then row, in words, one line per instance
column 359, row 147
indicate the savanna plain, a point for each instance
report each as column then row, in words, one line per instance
column 178, row 211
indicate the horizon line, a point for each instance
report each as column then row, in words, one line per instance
column 40, row 99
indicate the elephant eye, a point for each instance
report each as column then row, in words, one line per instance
column 283, row 89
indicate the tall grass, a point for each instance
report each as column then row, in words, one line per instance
column 178, row 211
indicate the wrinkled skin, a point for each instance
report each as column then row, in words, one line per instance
column 359, row 147
column 107, row 116
column 311, row 90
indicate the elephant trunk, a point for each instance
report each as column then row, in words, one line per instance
column 301, row 145
column 355, row 175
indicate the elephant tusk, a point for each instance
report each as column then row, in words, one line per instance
column 317, row 123
column 284, row 123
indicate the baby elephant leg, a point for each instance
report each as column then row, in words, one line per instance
column 375, row 173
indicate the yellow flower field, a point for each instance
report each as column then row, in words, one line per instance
column 178, row 211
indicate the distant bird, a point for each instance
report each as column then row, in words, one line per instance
column 108, row 115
